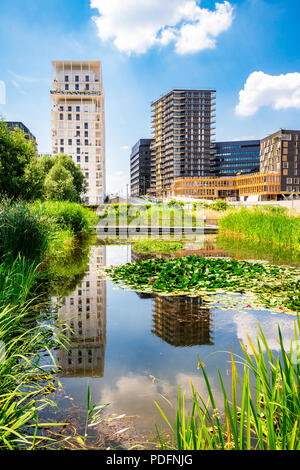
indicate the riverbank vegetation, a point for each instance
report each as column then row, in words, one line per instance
column 266, row 417
column 271, row 286
column 33, row 237
column 264, row 225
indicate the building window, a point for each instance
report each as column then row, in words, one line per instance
column 70, row 142
column 69, row 117
column 77, row 117
column 76, row 78
column 78, row 158
column 86, row 158
column 87, row 87
column 61, row 117
column 78, row 150
column 77, row 109
column 76, row 87
column 66, row 78
column 66, row 87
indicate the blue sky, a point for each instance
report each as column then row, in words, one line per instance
column 148, row 47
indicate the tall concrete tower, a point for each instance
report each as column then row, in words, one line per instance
column 78, row 121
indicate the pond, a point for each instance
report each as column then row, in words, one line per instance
column 134, row 349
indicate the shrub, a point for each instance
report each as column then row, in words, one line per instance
column 22, row 232
column 219, row 205
column 67, row 215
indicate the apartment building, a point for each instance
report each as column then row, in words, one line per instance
column 182, row 122
column 78, row 121
column 235, row 157
column 140, row 168
column 280, row 154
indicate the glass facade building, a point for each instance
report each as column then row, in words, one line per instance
column 140, row 167
column 235, row 157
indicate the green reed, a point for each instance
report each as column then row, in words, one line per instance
column 266, row 417
column 263, row 225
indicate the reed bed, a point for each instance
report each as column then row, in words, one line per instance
column 265, row 224
column 265, row 418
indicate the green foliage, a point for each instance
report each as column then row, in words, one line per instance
column 267, row 417
column 219, row 205
column 174, row 203
column 24, row 175
column 59, row 185
column 21, row 232
column 16, row 154
column 192, row 275
column 25, row 380
column 157, row 246
column 263, row 225
column 67, row 215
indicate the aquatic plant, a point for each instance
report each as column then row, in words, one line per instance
column 265, row 418
column 192, row 275
column 263, row 225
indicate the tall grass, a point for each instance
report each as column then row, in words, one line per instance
column 22, row 232
column 24, row 380
column 265, row 418
column 263, row 225
column 67, row 215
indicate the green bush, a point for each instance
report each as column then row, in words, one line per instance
column 22, row 232
column 67, row 215
column 219, row 205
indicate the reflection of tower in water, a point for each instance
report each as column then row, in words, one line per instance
column 84, row 312
column 182, row 321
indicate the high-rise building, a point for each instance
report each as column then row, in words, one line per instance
column 28, row 135
column 235, row 157
column 140, row 168
column 182, row 136
column 78, row 126
column 280, row 154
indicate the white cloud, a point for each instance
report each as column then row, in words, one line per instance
column 247, row 325
column 138, row 25
column 278, row 91
column 125, row 147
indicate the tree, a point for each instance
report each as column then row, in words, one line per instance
column 38, row 171
column 16, row 153
column 23, row 174
column 59, row 184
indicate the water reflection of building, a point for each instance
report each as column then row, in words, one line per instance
column 84, row 312
column 182, row 321
column 207, row 250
